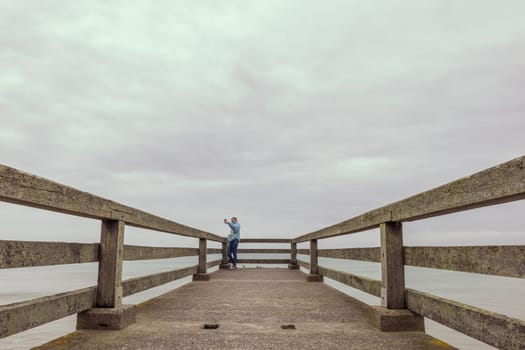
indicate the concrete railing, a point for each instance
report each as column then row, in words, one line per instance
column 500, row 184
column 264, row 251
column 24, row 315
column 99, row 306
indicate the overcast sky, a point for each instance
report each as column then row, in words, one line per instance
column 292, row 115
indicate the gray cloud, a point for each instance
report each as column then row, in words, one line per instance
column 292, row 115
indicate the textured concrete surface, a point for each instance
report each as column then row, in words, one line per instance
column 498, row 330
column 506, row 261
column 250, row 306
column 24, row 315
column 25, row 254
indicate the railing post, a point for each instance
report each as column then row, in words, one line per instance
column 202, row 255
column 201, row 274
column 392, row 266
column 392, row 315
column 109, row 313
column 293, row 257
column 314, row 267
column 314, row 275
column 225, row 264
column 111, row 252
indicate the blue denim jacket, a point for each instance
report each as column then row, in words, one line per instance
column 235, row 231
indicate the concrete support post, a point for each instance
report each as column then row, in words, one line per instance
column 202, row 255
column 392, row 316
column 201, row 274
column 224, row 252
column 293, row 257
column 225, row 264
column 111, row 252
column 392, row 266
column 109, row 313
column 314, row 267
column 314, row 275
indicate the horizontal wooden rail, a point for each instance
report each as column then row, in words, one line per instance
column 33, row 191
column 138, row 284
column 132, row 252
column 506, row 261
column 364, row 284
column 263, row 261
column 365, row 254
column 25, row 254
column 304, row 264
column 18, row 317
column 361, row 283
column 264, row 251
column 265, row 240
column 499, row 184
column 304, row 251
column 213, row 251
column 497, row 330
column 213, row 263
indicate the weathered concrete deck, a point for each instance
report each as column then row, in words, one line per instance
column 250, row 306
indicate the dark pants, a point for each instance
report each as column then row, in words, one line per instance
column 232, row 251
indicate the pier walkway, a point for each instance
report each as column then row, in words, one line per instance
column 250, row 306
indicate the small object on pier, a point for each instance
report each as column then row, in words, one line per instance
column 210, row 326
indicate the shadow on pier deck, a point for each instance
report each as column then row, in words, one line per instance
column 250, row 306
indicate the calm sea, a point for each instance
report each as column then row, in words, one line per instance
column 498, row 294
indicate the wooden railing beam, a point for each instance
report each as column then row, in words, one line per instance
column 27, row 254
column 498, row 330
column 18, row 317
column 508, row 261
column 263, row 261
column 132, row 252
column 500, row 184
column 33, row 191
column 265, row 240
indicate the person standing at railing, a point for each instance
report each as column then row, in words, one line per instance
column 233, row 240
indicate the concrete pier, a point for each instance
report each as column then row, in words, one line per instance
column 250, row 309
